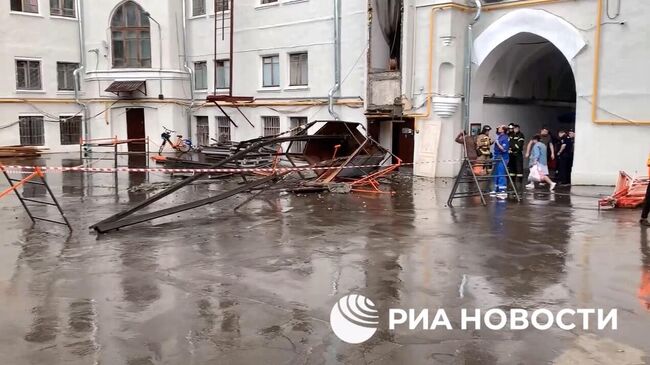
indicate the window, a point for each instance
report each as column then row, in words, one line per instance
column 31, row 131
column 221, row 5
column 223, row 130
column 70, row 129
column 28, row 75
column 201, row 75
column 298, row 72
column 271, row 126
column 198, row 7
column 131, row 38
column 294, row 123
column 65, row 75
column 271, row 71
column 202, row 131
column 223, row 74
column 26, row 6
column 62, row 8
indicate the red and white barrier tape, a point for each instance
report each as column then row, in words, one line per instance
column 59, row 169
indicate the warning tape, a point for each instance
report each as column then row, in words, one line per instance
column 60, row 169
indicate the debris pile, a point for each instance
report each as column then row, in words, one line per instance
column 19, row 151
column 319, row 156
column 629, row 192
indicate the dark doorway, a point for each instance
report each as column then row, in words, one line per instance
column 530, row 84
column 404, row 139
column 135, row 129
column 373, row 129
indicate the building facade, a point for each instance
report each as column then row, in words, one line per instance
column 405, row 68
column 31, row 95
column 146, row 65
column 562, row 64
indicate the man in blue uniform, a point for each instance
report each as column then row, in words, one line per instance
column 501, row 152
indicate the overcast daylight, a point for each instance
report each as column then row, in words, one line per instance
column 300, row 182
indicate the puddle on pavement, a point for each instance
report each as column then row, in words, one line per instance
column 256, row 285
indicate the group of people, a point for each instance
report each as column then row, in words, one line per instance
column 546, row 154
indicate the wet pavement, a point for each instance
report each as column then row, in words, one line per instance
column 256, row 286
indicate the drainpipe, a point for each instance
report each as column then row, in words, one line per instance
column 161, row 96
column 337, row 59
column 468, row 64
column 189, row 70
column 77, row 73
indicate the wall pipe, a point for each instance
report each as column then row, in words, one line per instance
column 77, row 72
column 468, row 64
column 161, row 95
column 232, row 44
column 337, row 59
column 350, row 101
column 432, row 35
column 189, row 70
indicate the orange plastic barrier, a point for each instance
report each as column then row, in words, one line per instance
column 37, row 172
column 629, row 192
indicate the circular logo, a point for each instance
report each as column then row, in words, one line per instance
column 354, row 319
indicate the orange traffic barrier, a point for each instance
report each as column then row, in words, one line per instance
column 629, row 192
column 37, row 172
column 370, row 183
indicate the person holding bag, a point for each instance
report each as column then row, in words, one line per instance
column 538, row 164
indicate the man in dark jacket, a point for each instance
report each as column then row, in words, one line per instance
column 469, row 143
column 646, row 209
column 516, row 152
column 565, row 158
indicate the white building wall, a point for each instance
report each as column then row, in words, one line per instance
column 434, row 138
column 281, row 28
column 166, row 77
column 601, row 150
column 25, row 36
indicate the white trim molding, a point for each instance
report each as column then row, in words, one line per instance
column 556, row 30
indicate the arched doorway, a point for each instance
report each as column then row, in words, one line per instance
column 524, row 72
column 528, row 81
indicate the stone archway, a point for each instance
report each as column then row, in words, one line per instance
column 524, row 71
column 556, row 30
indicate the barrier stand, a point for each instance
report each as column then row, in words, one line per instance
column 14, row 184
column 113, row 146
column 467, row 175
column 372, row 181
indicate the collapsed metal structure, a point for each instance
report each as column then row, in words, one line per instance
column 629, row 192
column 336, row 152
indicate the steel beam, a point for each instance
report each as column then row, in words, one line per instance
column 113, row 221
column 105, row 227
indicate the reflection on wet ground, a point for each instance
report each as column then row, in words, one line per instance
column 256, row 285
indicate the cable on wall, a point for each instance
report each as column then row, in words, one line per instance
column 618, row 9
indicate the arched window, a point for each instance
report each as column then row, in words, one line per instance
column 131, row 38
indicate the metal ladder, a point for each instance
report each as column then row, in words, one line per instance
column 16, row 183
column 474, row 182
